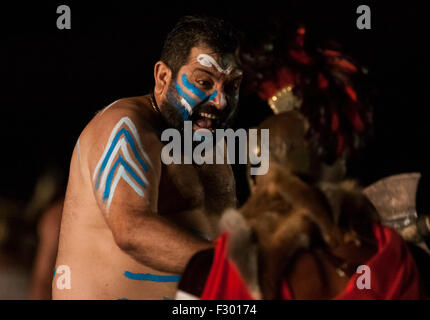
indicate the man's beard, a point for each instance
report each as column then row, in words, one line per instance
column 204, row 115
column 171, row 115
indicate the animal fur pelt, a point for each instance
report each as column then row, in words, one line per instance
column 283, row 215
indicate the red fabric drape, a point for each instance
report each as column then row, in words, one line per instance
column 394, row 274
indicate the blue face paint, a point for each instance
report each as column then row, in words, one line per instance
column 184, row 110
column 122, row 299
column 213, row 95
column 184, row 113
column 151, row 277
column 192, row 102
column 199, row 93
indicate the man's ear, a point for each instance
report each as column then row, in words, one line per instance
column 162, row 76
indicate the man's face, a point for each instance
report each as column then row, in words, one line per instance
column 206, row 90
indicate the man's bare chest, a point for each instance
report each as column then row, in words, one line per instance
column 186, row 187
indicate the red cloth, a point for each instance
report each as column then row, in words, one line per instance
column 224, row 281
column 394, row 274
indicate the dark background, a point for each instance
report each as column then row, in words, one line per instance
column 55, row 80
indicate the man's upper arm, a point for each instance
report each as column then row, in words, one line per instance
column 124, row 163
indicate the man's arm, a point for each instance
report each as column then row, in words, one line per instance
column 125, row 164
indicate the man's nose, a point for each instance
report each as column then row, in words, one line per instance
column 219, row 100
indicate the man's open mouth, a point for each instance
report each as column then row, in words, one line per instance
column 205, row 120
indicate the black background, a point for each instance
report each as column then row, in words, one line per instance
column 55, row 80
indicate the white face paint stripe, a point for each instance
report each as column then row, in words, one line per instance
column 207, row 61
column 121, row 173
column 187, row 106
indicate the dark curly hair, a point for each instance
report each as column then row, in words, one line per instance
column 192, row 31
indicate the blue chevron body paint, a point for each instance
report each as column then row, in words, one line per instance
column 130, row 141
column 108, row 184
column 129, row 166
column 151, row 277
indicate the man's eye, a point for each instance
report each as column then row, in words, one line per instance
column 204, row 84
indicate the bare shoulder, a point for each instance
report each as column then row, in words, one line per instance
column 136, row 109
column 128, row 120
column 132, row 115
column 119, row 155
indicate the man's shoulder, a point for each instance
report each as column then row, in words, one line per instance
column 128, row 118
column 134, row 113
column 136, row 108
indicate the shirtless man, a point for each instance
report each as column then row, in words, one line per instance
column 131, row 223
